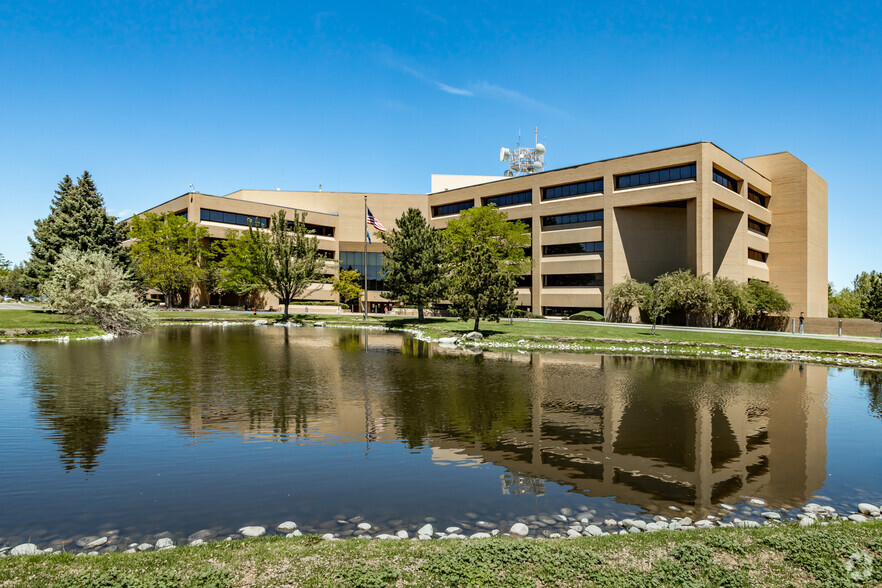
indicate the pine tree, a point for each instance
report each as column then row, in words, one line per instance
column 413, row 268
column 78, row 219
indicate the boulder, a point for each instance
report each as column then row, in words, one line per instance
column 519, row 530
column 480, row 536
column 426, row 529
column 287, row 526
column 858, row 518
column 145, row 547
column 202, row 534
column 868, row 509
column 592, row 530
column 474, row 336
column 365, row 526
column 448, row 340
column 252, row 531
column 164, row 543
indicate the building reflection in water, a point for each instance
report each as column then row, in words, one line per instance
column 647, row 431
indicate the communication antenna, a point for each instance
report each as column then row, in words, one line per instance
column 194, row 190
column 524, row 160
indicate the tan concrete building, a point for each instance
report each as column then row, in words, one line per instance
column 688, row 207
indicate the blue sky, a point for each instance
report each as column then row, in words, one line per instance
column 151, row 97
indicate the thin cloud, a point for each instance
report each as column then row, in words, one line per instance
column 424, row 78
column 492, row 91
column 454, row 91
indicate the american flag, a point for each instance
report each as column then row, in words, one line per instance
column 371, row 220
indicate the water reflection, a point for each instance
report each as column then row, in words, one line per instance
column 646, row 431
column 873, row 382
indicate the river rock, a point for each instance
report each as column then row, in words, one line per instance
column 757, row 501
column 296, row 533
column 566, row 511
column 131, row 550
column 480, row 536
column 772, row 516
column 448, row 340
column 452, row 530
column 746, row 524
column 196, row 543
column 287, row 526
column 83, row 541
column 519, row 529
column 685, row 522
column 592, row 530
column 145, row 547
column 858, row 518
column 201, row 534
column 703, row 524
column 328, row 537
column 610, row 522
column 402, row 534
column 572, row 534
column 474, row 336
column 426, row 529
column 252, row 531
column 25, row 549
column 806, row 522
column 164, row 543
column 96, row 543
column 868, row 509
column 365, row 526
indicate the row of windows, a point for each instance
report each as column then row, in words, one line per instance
column 659, row 176
column 354, row 260
column 509, row 199
column 527, row 221
column 568, row 219
column 577, row 280
column 232, row 218
column 322, row 230
column 567, row 310
column 573, row 248
column 757, row 226
column 757, row 255
column 725, row 180
column 326, row 253
column 755, row 196
column 454, row 208
column 589, row 187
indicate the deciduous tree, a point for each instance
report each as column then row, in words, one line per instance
column 413, row 268
column 168, row 252
column 486, row 256
column 348, row 285
column 285, row 258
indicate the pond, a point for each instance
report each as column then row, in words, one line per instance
column 191, row 428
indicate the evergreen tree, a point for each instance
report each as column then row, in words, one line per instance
column 486, row 258
column 872, row 301
column 413, row 268
column 285, row 259
column 78, row 219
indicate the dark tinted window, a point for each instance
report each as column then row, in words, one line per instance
column 568, row 219
column 232, row 218
column 757, row 226
column 454, row 208
column 588, row 187
column 524, row 281
column 322, row 230
column 659, row 176
column 757, row 255
column 572, row 280
column 326, row 253
column 183, row 214
column 527, row 221
column 573, row 248
column 509, row 199
column 755, row 196
column 725, row 181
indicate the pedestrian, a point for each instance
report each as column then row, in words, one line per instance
column 801, row 323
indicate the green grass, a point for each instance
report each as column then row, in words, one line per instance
column 37, row 323
column 581, row 332
column 838, row 555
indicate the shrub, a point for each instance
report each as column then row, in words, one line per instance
column 91, row 288
column 586, row 315
column 623, row 297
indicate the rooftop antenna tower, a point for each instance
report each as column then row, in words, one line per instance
column 524, row 160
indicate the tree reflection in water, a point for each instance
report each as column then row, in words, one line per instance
column 873, row 381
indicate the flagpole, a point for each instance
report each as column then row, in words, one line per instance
column 365, row 259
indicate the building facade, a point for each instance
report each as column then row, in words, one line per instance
column 690, row 207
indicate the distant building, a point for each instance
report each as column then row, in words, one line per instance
column 689, row 207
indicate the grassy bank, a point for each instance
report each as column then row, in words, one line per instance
column 38, row 323
column 837, row 555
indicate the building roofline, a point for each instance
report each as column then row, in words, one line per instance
column 612, row 159
column 321, row 192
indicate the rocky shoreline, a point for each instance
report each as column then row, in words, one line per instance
column 566, row 523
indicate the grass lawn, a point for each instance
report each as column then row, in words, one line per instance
column 837, row 555
column 37, row 323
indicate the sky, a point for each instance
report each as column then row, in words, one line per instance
column 152, row 97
